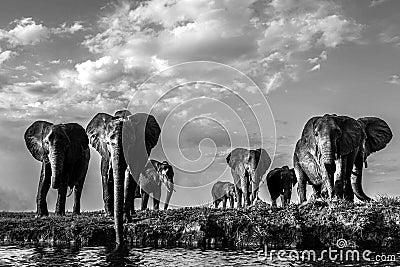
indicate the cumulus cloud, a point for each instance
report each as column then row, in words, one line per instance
column 394, row 79
column 25, row 32
column 268, row 41
column 6, row 55
column 261, row 39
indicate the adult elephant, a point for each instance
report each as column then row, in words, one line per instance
column 222, row 191
column 154, row 175
column 280, row 182
column 63, row 150
column 122, row 141
column 332, row 151
column 247, row 168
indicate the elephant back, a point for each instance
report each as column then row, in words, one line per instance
column 34, row 136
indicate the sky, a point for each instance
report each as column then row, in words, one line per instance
column 215, row 74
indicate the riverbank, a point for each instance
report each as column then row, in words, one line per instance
column 314, row 225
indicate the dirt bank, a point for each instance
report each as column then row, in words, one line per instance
column 317, row 224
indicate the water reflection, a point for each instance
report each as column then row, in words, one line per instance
column 108, row 256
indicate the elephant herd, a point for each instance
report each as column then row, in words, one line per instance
column 329, row 156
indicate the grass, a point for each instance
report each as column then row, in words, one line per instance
column 313, row 225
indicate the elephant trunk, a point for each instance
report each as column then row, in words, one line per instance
column 287, row 195
column 118, row 166
column 244, row 183
column 328, row 156
column 56, row 158
column 170, row 189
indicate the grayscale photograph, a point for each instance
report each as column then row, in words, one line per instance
column 199, row 133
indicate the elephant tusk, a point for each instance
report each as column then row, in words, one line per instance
column 70, row 191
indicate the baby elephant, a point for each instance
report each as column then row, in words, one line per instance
column 222, row 191
column 280, row 182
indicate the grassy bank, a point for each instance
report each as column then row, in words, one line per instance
column 317, row 224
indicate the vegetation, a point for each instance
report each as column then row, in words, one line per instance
column 315, row 224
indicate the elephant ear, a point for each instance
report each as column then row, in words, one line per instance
column 378, row 134
column 147, row 124
column 308, row 135
column 352, row 134
column 34, row 136
column 236, row 156
column 96, row 131
column 263, row 161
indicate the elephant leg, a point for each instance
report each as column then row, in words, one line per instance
column 156, row 198
column 216, row 203
column 80, row 171
column 254, row 189
column 316, row 191
column 145, row 199
column 238, row 196
column 301, row 183
column 231, row 201
column 273, row 203
column 43, row 189
column 77, row 196
column 339, row 176
column 224, row 202
column 283, row 201
column 348, row 191
column 62, row 196
column 108, row 188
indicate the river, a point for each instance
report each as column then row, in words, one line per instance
column 39, row 255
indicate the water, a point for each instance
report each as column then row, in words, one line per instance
column 107, row 256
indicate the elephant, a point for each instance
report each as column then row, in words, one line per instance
column 123, row 141
column 222, row 191
column 63, row 150
column 155, row 174
column 332, row 151
column 280, row 182
column 247, row 168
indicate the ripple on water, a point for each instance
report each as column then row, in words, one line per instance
column 106, row 256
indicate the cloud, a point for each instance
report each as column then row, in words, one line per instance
column 394, row 79
column 64, row 28
column 390, row 36
column 6, row 55
column 25, row 32
column 268, row 41
column 315, row 68
column 104, row 69
column 55, row 61
column 377, row 2
column 262, row 39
